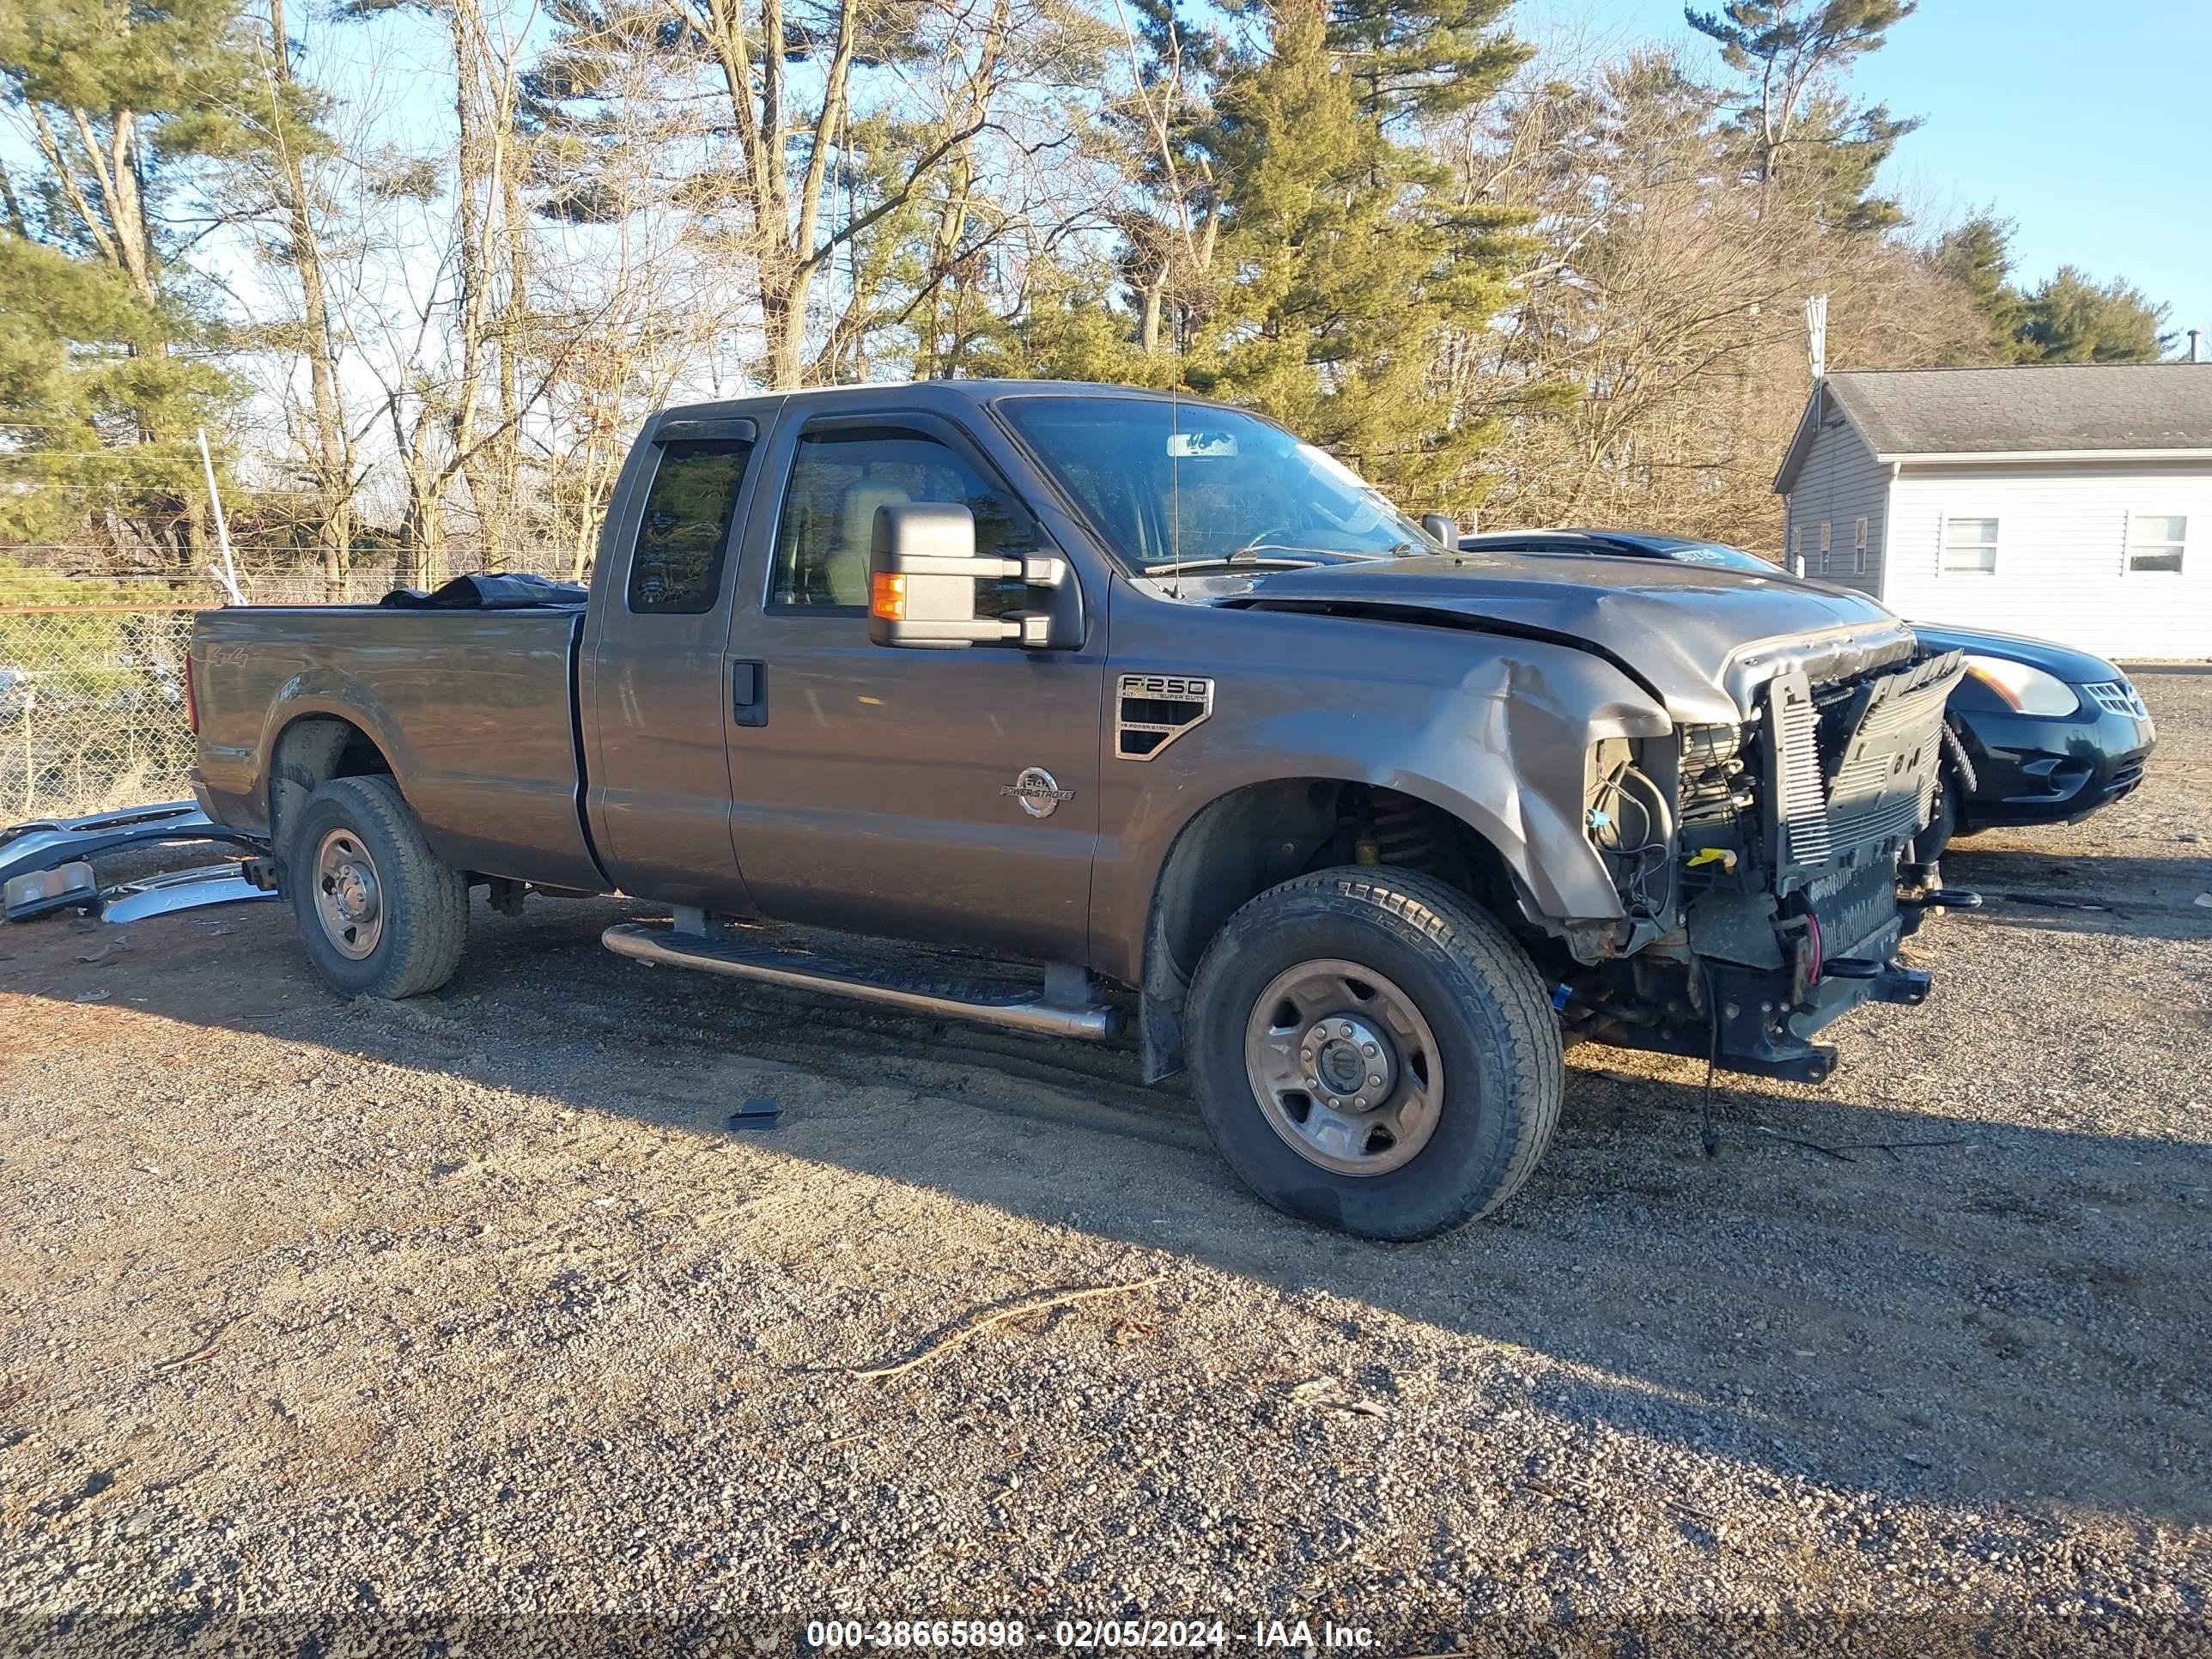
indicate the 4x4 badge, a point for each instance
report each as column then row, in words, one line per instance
column 1038, row 791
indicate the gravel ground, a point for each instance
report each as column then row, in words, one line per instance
column 476, row 1306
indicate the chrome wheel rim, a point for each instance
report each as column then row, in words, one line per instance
column 349, row 902
column 1345, row 1066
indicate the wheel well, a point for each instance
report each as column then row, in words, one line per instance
column 1264, row 834
column 308, row 754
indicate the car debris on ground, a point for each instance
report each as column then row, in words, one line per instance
column 45, row 864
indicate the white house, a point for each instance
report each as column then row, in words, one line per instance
column 2071, row 502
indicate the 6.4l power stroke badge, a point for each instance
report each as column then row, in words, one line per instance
column 1038, row 791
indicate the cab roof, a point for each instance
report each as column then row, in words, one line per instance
column 925, row 393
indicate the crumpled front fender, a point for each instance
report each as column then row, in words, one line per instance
column 1495, row 732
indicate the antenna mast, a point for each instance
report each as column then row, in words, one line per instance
column 1816, row 333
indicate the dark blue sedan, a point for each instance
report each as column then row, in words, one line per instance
column 2052, row 734
column 2046, row 734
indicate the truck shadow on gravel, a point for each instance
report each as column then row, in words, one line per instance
column 1920, row 1303
column 2101, row 893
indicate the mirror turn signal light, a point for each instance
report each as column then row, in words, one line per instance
column 887, row 596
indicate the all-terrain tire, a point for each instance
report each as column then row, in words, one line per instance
column 1493, row 1023
column 421, row 905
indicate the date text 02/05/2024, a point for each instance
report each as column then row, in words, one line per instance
column 1294, row 1635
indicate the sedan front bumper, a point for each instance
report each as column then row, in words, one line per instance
column 2044, row 770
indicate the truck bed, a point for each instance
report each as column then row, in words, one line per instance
column 474, row 710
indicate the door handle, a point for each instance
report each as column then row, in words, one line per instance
column 749, row 692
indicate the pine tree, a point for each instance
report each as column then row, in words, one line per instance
column 1067, row 329
column 1837, row 156
column 2069, row 319
column 1421, row 60
column 1288, row 308
column 1340, row 273
column 85, row 374
column 2072, row 320
column 1977, row 256
column 122, row 103
column 1783, row 50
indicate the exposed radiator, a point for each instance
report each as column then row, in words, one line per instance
column 1869, row 787
column 1885, row 781
column 1803, row 797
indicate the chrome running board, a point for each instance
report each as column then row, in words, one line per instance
column 801, row 970
column 179, row 889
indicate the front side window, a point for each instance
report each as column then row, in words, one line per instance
column 2155, row 542
column 838, row 480
column 1970, row 544
column 1170, row 484
column 676, row 567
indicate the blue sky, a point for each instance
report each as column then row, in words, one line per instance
column 2090, row 126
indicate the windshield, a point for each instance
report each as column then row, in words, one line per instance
column 1728, row 558
column 1169, row 484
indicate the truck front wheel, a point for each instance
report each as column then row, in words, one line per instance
column 1936, row 835
column 1374, row 1053
column 379, row 915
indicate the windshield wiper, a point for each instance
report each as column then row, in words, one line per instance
column 1242, row 559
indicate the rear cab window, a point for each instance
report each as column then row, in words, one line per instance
column 683, row 534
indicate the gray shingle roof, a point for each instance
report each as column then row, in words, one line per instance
column 1982, row 411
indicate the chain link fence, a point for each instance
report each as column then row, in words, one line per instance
column 92, row 676
column 92, row 708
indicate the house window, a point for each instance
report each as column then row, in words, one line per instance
column 1858, row 549
column 1797, row 549
column 2155, row 542
column 1970, row 544
column 1824, row 547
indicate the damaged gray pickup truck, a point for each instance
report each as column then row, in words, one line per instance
column 1151, row 695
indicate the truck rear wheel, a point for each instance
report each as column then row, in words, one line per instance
column 379, row 915
column 1372, row 1052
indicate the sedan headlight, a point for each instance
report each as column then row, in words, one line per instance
column 2025, row 690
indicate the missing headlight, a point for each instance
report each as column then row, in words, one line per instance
column 1706, row 746
column 1712, row 785
column 1628, row 820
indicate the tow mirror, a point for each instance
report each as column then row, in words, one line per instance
column 923, row 577
column 1442, row 531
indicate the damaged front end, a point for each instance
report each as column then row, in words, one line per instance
column 1760, row 866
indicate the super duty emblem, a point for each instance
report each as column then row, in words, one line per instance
column 1151, row 711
